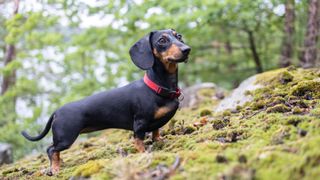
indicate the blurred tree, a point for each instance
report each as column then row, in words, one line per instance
column 22, row 94
column 253, row 48
column 308, row 55
column 288, row 36
column 9, row 79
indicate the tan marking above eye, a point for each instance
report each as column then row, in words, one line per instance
column 165, row 35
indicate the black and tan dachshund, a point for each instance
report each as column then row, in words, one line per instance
column 142, row 106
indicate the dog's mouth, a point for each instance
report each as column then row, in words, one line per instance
column 180, row 60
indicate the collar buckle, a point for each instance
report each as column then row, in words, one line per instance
column 181, row 96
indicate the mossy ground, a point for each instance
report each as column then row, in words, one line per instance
column 276, row 136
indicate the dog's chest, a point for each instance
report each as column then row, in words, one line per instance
column 166, row 110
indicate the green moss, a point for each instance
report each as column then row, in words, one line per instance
column 305, row 87
column 206, row 97
column 205, row 112
column 221, row 159
column 279, row 108
column 270, row 77
column 219, row 123
column 293, row 120
column 86, row 170
column 316, row 111
column 247, row 93
column 8, row 171
column 276, row 100
column 189, row 129
column 280, row 135
column 292, row 68
column 226, row 113
column 206, row 92
column 163, row 158
column 238, row 172
column 258, row 105
column 297, row 110
column 239, row 108
column 285, row 77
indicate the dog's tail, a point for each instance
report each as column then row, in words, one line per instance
column 42, row 134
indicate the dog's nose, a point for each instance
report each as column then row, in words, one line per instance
column 186, row 50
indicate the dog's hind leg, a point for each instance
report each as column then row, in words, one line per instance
column 54, row 157
column 60, row 142
column 53, row 152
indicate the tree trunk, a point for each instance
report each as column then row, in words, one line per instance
column 228, row 47
column 254, row 52
column 288, row 39
column 9, row 80
column 308, row 55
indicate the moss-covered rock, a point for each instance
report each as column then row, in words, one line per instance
column 285, row 77
column 279, row 108
column 309, row 87
column 274, row 136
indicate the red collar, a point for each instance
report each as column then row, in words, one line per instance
column 162, row 91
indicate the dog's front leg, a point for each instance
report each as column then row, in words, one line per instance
column 139, row 145
column 139, row 135
column 156, row 135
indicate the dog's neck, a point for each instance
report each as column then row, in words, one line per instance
column 162, row 77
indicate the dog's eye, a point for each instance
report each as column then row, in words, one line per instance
column 179, row 37
column 162, row 40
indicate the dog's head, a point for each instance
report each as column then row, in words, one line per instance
column 165, row 46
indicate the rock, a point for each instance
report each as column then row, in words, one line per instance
column 5, row 153
column 239, row 96
column 302, row 132
column 221, row 159
column 242, row 159
column 193, row 97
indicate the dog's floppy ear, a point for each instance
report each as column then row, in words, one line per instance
column 141, row 53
